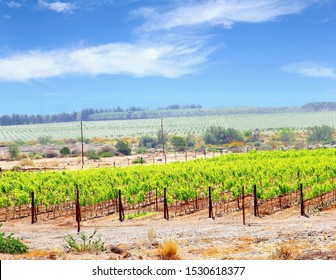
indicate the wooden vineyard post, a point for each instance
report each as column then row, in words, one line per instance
column 165, row 205
column 255, row 201
column 302, row 210
column 186, row 156
column 121, row 209
column 175, row 156
column 78, row 211
column 165, row 156
column 205, row 153
column 210, row 205
column 243, row 202
column 153, row 159
column 33, row 214
column 128, row 160
column 114, row 164
column 156, row 200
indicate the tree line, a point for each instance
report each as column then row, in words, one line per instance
column 175, row 110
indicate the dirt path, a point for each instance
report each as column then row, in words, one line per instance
column 198, row 237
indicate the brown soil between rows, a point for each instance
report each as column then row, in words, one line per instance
column 284, row 235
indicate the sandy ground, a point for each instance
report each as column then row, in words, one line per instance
column 72, row 163
column 198, row 237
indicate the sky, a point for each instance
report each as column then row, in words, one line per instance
column 64, row 56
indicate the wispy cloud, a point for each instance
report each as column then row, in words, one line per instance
column 57, row 6
column 166, row 60
column 220, row 12
column 13, row 4
column 311, row 69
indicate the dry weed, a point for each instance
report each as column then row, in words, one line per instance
column 151, row 235
column 42, row 255
column 169, row 250
column 26, row 162
column 285, row 252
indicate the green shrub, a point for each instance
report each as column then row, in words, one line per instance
column 139, row 161
column 91, row 154
column 11, row 245
column 65, row 151
column 106, row 154
column 85, row 243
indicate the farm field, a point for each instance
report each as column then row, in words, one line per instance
column 178, row 126
column 277, row 176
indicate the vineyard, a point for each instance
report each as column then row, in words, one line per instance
column 178, row 126
column 271, row 181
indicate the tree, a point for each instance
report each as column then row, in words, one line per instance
column 287, row 135
column 147, row 142
column 13, row 150
column 123, row 147
column 320, row 134
column 44, row 140
column 219, row 135
column 179, row 143
column 65, row 151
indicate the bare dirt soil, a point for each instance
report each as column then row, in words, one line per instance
column 73, row 163
column 284, row 235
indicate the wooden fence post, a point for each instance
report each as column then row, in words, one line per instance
column 243, row 202
column 156, row 200
column 210, row 205
column 302, row 210
column 165, row 204
column 78, row 211
column 255, row 200
column 121, row 209
column 34, row 219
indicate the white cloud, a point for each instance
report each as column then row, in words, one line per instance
column 220, row 12
column 166, row 60
column 311, row 69
column 57, row 6
column 6, row 16
column 13, row 4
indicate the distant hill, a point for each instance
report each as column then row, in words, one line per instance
column 319, row 106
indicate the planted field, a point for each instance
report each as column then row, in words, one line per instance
column 274, row 174
column 179, row 126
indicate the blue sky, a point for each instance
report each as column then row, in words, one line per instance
column 61, row 56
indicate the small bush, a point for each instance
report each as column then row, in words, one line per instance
column 36, row 155
column 106, row 154
column 13, row 150
column 85, row 243
column 26, row 162
column 139, row 161
column 65, row 151
column 169, row 250
column 50, row 154
column 91, row 154
column 11, row 245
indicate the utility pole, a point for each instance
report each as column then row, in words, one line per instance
column 82, row 140
column 163, row 148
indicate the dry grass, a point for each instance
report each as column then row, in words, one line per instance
column 42, row 255
column 151, row 235
column 169, row 250
column 285, row 252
